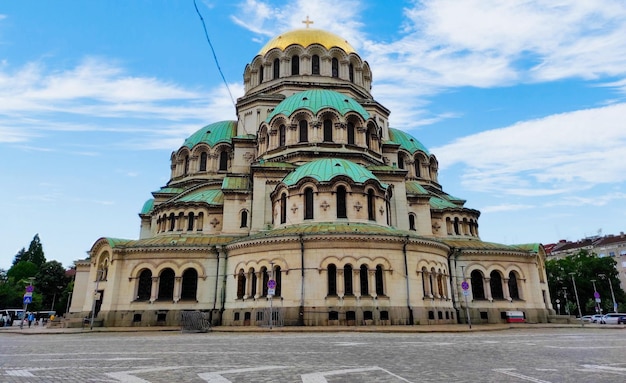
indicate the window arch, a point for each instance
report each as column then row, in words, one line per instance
column 203, row 161
column 308, row 203
column 265, row 279
column 371, row 206
column 328, row 130
column 379, row 280
column 295, row 65
column 282, row 135
column 144, row 290
column 495, row 282
column 351, row 72
column 283, row 208
column 400, row 161
column 241, row 284
column 368, row 137
column 166, row 284
column 412, row 222
column 190, row 221
column 261, row 70
column 365, row 289
column 513, row 287
column 244, row 218
column 303, row 131
column 253, row 282
column 350, row 133
column 172, row 221
column 223, row 160
column 315, row 64
column 278, row 279
column 189, row 286
column 186, row 170
column 335, row 67
column 347, row 280
column 276, row 68
column 332, row 279
column 478, row 289
column 417, row 165
column 341, row 202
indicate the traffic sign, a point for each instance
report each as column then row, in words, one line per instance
column 465, row 292
column 271, row 284
column 271, row 292
column 596, row 295
column 465, row 285
column 30, row 288
column 28, row 294
column 28, row 300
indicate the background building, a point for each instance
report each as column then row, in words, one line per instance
column 311, row 188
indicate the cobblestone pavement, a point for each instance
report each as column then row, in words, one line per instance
column 514, row 355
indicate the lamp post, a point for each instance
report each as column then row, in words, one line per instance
column 95, row 295
column 596, row 297
column 612, row 293
column 580, row 314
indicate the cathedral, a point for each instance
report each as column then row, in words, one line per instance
column 307, row 210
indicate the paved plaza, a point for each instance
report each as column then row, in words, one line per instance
column 510, row 355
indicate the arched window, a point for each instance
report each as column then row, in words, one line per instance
column 332, row 279
column 380, row 290
column 283, row 208
column 276, row 68
column 295, row 65
column 282, row 135
column 186, row 165
column 315, row 64
column 308, row 203
column 190, row 221
column 241, row 284
column 253, row 281
column 495, row 282
column 266, row 278
column 412, row 222
column 223, row 160
column 303, row 130
column 351, row 72
column 478, row 289
column 261, row 70
column 425, row 290
column 417, row 168
column 365, row 289
column 172, row 221
column 335, row 67
column 371, row 206
column 144, row 290
column 166, row 284
column 513, row 289
column 341, row 202
column 400, row 161
column 200, row 223
column 328, row 131
column 244, row 218
column 350, row 133
column 456, row 226
column 203, row 158
column 368, row 138
column 278, row 279
column 189, row 285
column 347, row 280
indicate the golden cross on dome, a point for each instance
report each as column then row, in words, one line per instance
column 307, row 22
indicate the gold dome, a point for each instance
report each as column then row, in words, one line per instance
column 306, row 37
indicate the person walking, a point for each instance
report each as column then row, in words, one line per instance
column 31, row 318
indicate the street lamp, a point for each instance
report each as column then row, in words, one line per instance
column 596, row 297
column 612, row 294
column 580, row 314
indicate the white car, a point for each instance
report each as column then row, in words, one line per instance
column 612, row 318
column 596, row 318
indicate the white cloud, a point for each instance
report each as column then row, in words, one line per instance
column 505, row 208
column 561, row 152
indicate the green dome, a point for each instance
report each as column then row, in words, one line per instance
column 212, row 134
column 327, row 169
column 316, row 100
column 406, row 141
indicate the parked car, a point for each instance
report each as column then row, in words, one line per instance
column 597, row 318
column 587, row 319
column 621, row 320
column 612, row 318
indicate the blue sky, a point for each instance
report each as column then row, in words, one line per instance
column 522, row 102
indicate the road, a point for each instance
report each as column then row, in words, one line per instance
column 516, row 355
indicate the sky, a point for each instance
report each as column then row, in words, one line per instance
column 523, row 102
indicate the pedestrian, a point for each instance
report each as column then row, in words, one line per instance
column 31, row 318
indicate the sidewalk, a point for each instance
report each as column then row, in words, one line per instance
column 448, row 328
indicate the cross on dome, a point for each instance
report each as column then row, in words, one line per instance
column 307, row 22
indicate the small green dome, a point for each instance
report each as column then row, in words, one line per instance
column 316, row 100
column 212, row 134
column 147, row 206
column 326, row 169
column 406, row 141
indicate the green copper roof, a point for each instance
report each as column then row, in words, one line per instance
column 147, row 206
column 406, row 141
column 167, row 190
column 326, row 169
column 477, row 244
column 212, row 197
column 413, row 187
column 235, row 183
column 316, row 100
column 222, row 131
column 439, row 203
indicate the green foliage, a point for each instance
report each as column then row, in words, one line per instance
column 585, row 268
column 50, row 282
column 20, row 273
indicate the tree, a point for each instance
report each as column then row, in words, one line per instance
column 19, row 256
column 34, row 253
column 584, row 267
column 50, row 281
column 20, row 273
